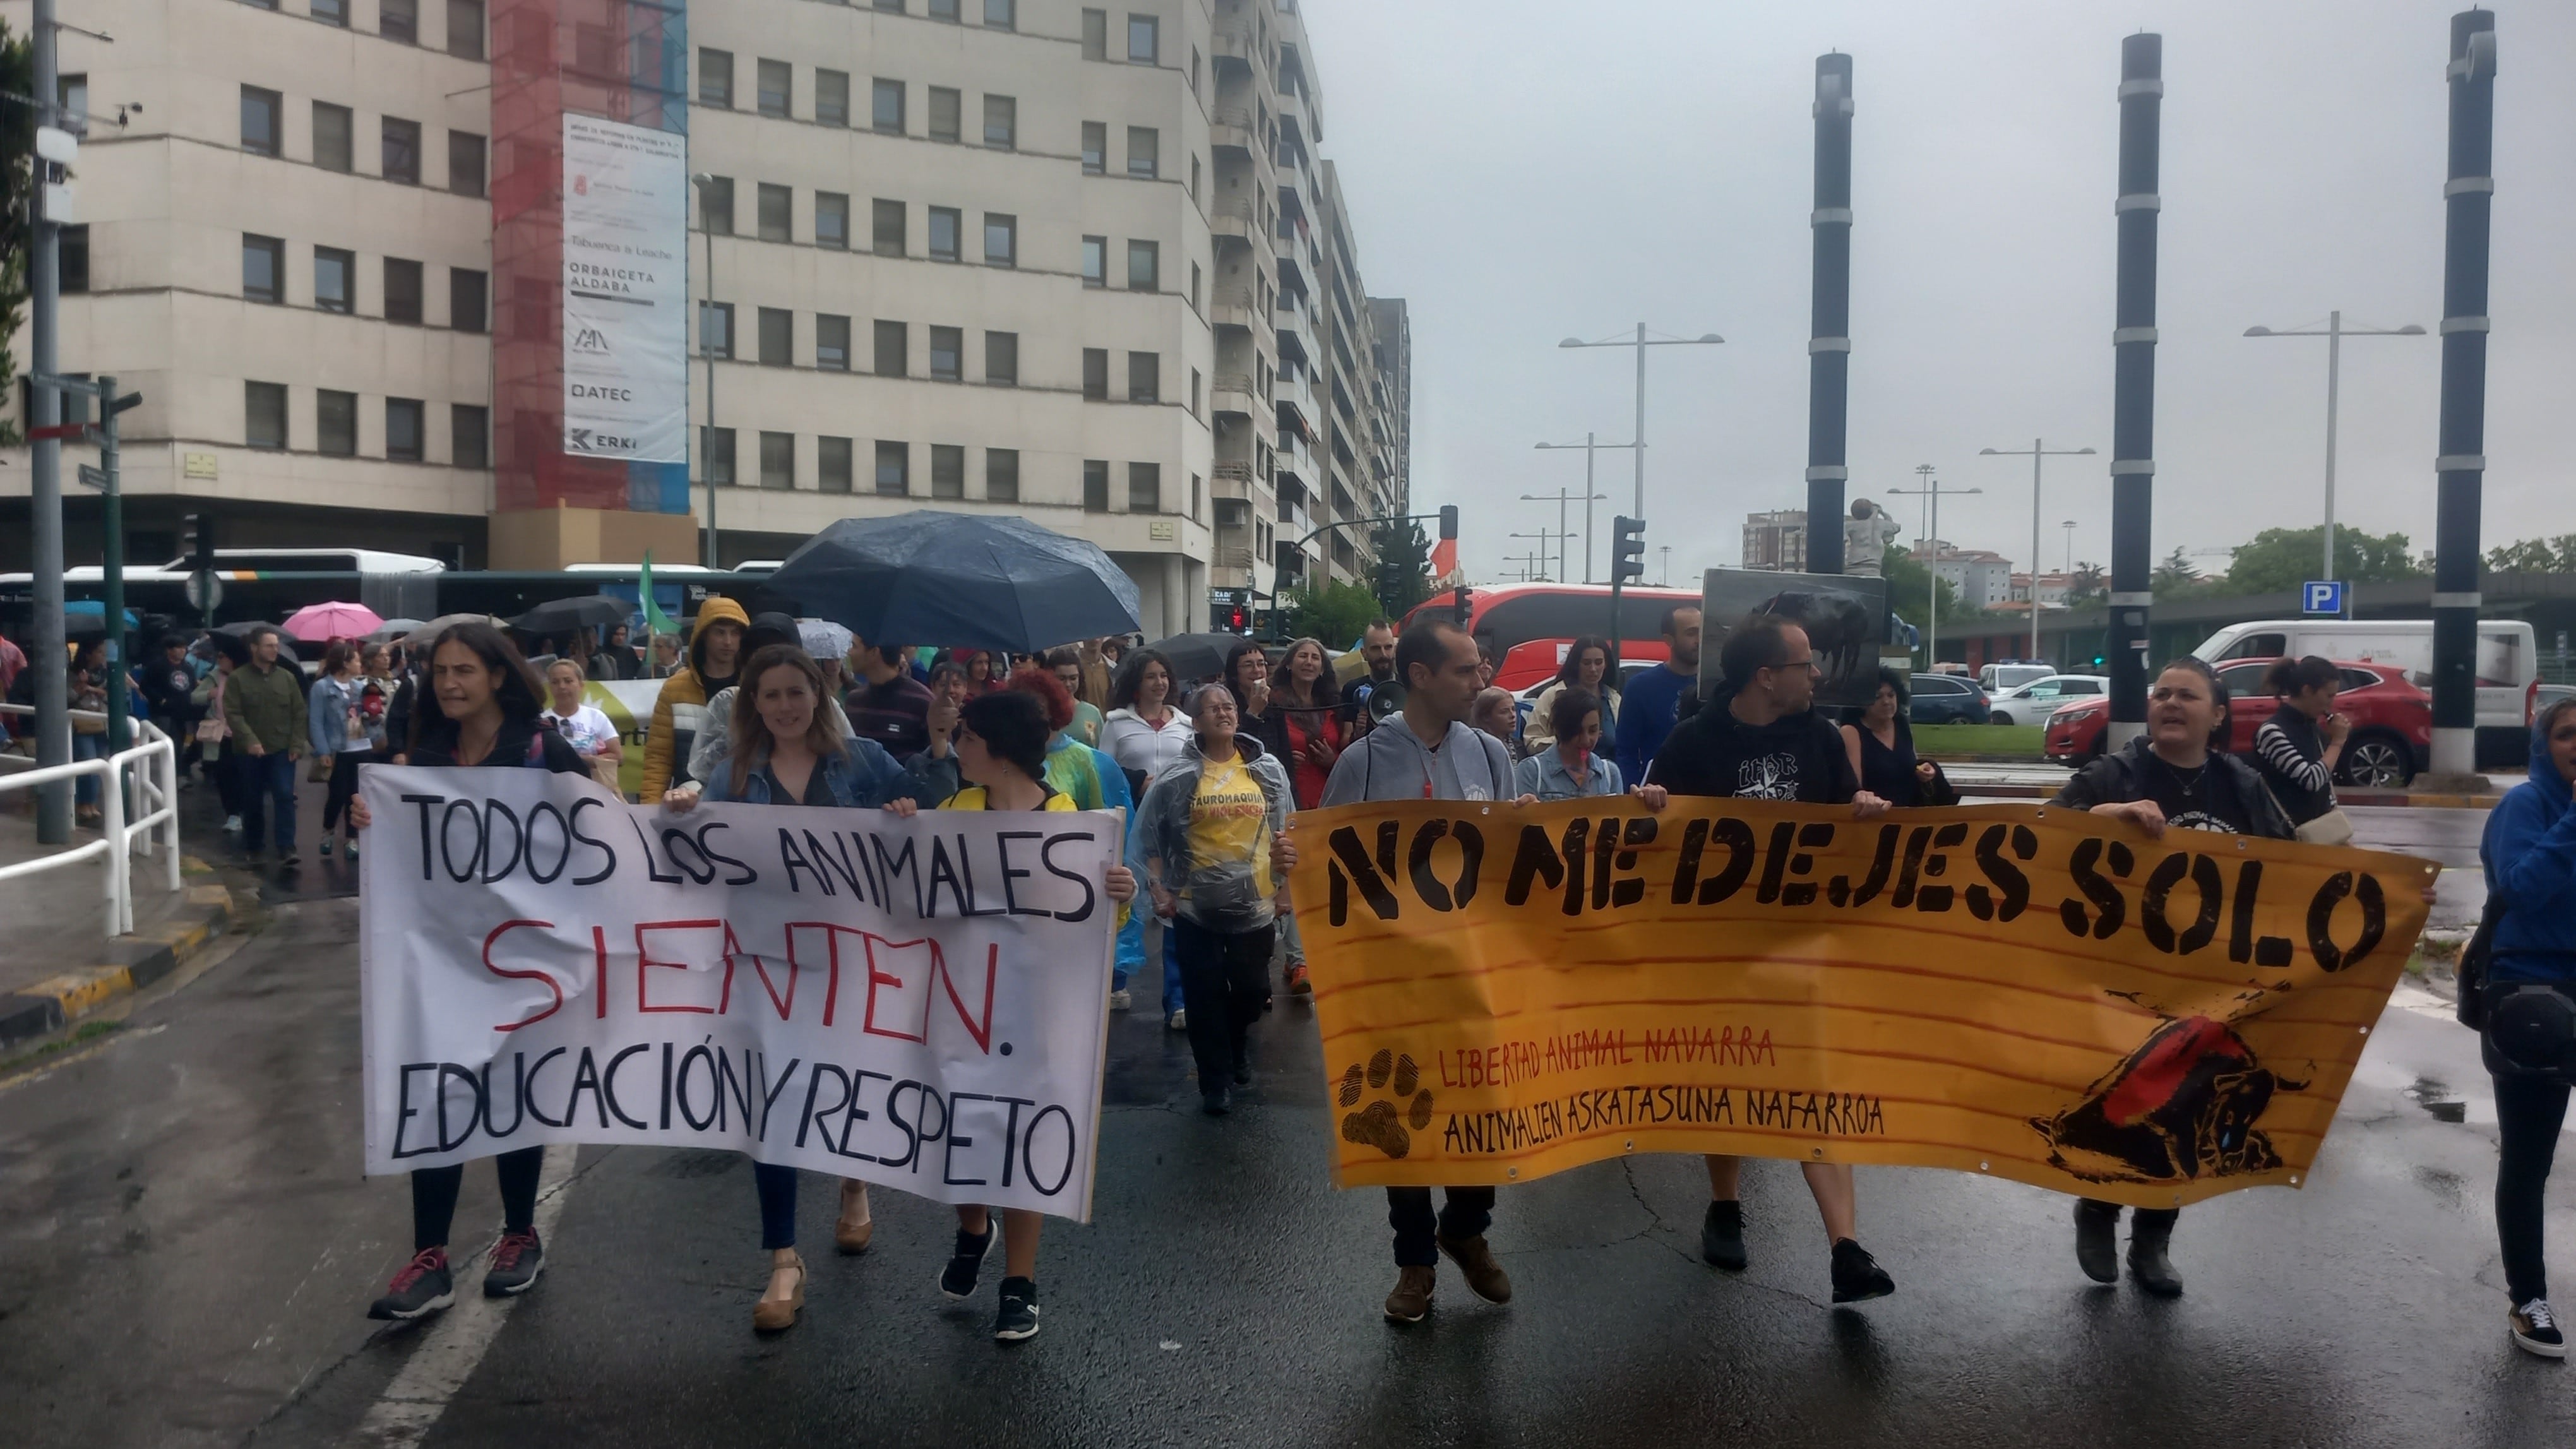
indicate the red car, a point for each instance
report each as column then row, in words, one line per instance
column 2392, row 721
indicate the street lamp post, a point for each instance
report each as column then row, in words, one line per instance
column 1589, row 447
column 1561, row 498
column 2037, row 451
column 706, row 310
column 1931, row 492
column 1665, row 579
column 2334, row 332
column 2069, row 526
column 1544, row 536
column 1641, row 342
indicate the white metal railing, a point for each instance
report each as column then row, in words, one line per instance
column 138, row 796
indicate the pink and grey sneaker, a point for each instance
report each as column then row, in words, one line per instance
column 516, row 1261
column 423, row 1287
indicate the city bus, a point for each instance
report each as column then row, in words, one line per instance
column 1528, row 627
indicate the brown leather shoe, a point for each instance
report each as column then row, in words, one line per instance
column 1484, row 1276
column 855, row 1228
column 1412, row 1296
column 775, row 1315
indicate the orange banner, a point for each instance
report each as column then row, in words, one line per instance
column 2027, row 992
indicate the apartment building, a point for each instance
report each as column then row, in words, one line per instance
column 1982, row 578
column 1106, row 280
column 1776, row 541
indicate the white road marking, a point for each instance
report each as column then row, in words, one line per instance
column 455, row 1344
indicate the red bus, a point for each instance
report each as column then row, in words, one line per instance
column 1528, row 626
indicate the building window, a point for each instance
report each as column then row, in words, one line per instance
column 1001, row 122
column 832, row 343
column 1001, row 240
column 1194, row 70
column 333, row 132
column 263, row 268
column 259, row 120
column 1095, row 486
column 465, row 29
column 1144, row 266
column 468, row 299
column 1194, row 178
column 895, row 6
column 947, row 471
column 715, row 206
column 403, row 429
column 1095, row 261
column 469, row 435
column 1095, row 35
column 399, row 20
column 1144, row 151
column 465, row 163
column 832, row 465
column 944, row 10
column 330, row 12
column 832, row 220
column 1001, row 475
column 894, row 349
column 887, row 223
column 1002, row 14
column 335, row 423
column 402, row 151
column 832, row 97
column 1144, row 39
column 1194, row 392
column 889, row 106
column 1002, row 359
column 946, row 109
column 777, row 81
column 715, row 330
column 1194, row 286
column 947, row 353
column 1095, row 373
column 335, row 279
column 1144, row 487
column 778, row 460
column 715, row 77
column 72, row 259
column 777, row 337
column 264, row 414
column 402, row 290
column 715, row 456
column 1095, row 147
column 1198, row 491
column 1144, row 377
column 945, row 223
column 774, row 213
column 894, row 470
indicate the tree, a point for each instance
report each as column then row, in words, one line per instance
column 1910, row 585
column 2176, row 575
column 2283, row 558
column 1335, row 613
column 2535, row 556
column 2086, row 586
column 17, row 202
column 1403, row 565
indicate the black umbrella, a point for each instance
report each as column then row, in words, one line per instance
column 1197, row 656
column 958, row 580
column 562, row 616
column 243, row 631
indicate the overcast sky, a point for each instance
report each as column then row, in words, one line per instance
column 1526, row 170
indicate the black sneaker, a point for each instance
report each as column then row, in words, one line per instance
column 516, row 1261
column 957, row 1280
column 2097, row 1240
column 1018, row 1318
column 1216, row 1101
column 422, row 1288
column 1721, row 1236
column 2535, row 1330
column 1242, row 1071
column 1857, row 1276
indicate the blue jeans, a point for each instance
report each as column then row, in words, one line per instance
column 268, row 788
column 87, row 747
column 777, row 1187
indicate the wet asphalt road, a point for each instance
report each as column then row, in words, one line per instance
column 186, row 1250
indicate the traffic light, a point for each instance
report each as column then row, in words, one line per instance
column 1448, row 522
column 1627, row 549
column 1466, row 606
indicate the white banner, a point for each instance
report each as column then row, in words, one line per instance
column 625, row 291
column 920, row 1003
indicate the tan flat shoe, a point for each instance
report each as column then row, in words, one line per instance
column 855, row 1228
column 776, row 1315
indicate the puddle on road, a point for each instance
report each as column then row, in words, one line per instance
column 2435, row 1097
column 2444, row 1186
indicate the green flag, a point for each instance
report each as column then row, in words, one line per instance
column 654, row 619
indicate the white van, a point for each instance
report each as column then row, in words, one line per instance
column 2010, row 674
column 2508, row 664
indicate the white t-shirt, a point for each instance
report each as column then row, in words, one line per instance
column 587, row 730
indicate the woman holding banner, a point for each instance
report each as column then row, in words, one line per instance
column 787, row 749
column 1001, row 752
column 1570, row 767
column 489, row 702
column 2176, row 776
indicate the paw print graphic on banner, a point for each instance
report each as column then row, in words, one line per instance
column 1383, row 1123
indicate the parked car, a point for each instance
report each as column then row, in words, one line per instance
column 2034, row 702
column 2005, row 674
column 2392, row 721
column 1947, row 699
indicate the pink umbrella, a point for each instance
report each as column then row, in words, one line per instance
column 323, row 623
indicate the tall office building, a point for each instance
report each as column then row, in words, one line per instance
column 1106, row 280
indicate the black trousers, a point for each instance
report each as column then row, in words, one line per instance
column 2529, row 1112
column 2138, row 1218
column 342, row 789
column 1466, row 1214
column 1225, row 978
column 434, row 1189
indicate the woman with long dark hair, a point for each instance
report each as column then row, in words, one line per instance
column 2176, row 776
column 1309, row 702
column 488, row 707
column 1144, row 730
column 1881, row 746
column 2298, row 747
column 335, row 722
column 1586, row 667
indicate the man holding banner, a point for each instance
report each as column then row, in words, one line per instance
column 1763, row 740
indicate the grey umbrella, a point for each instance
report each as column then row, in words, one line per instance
column 562, row 616
column 958, row 580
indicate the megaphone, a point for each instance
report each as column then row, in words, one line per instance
column 1385, row 701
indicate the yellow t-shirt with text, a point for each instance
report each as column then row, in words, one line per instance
column 1230, row 821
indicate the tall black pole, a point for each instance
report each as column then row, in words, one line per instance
column 2133, row 389
column 1829, row 342
column 2462, row 466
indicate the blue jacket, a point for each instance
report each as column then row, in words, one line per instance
column 326, row 717
column 862, row 775
column 1647, row 708
column 2530, row 859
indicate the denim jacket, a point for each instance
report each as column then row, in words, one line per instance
column 862, row 775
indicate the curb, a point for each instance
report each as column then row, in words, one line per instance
column 133, row 963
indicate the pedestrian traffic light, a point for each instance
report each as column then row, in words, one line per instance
column 1627, row 549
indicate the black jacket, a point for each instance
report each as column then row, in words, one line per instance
column 520, row 742
column 2114, row 780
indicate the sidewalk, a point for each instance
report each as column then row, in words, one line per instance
column 58, row 963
